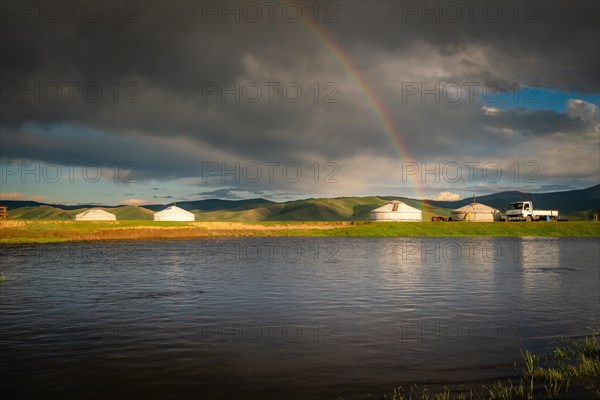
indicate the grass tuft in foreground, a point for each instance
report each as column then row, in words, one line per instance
column 570, row 370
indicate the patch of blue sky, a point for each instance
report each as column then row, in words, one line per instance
column 535, row 98
column 69, row 131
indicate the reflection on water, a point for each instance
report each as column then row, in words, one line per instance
column 285, row 318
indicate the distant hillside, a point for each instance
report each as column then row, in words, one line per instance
column 202, row 205
column 573, row 204
column 132, row 213
column 54, row 213
column 338, row 209
column 14, row 204
column 212, row 204
column 566, row 202
column 40, row 212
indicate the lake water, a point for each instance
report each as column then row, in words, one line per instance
column 274, row 318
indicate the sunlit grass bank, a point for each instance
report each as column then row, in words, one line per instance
column 469, row 229
column 35, row 231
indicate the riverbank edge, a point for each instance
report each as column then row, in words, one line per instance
column 44, row 231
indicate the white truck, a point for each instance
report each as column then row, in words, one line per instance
column 523, row 211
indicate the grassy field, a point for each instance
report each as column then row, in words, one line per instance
column 35, row 231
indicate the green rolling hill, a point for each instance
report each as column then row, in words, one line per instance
column 54, row 213
column 131, row 213
column 42, row 212
column 338, row 209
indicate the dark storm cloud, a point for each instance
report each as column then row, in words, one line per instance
column 151, row 159
column 160, row 107
column 536, row 122
column 547, row 42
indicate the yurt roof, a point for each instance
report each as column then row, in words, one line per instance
column 476, row 208
column 95, row 212
column 401, row 207
column 174, row 210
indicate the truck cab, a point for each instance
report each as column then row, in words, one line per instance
column 518, row 210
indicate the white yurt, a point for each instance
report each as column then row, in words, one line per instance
column 174, row 213
column 396, row 211
column 476, row 212
column 95, row 214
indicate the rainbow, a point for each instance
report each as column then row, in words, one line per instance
column 373, row 102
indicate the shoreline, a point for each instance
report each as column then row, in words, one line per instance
column 49, row 231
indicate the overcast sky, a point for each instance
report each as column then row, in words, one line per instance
column 154, row 102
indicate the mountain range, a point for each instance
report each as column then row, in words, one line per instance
column 574, row 204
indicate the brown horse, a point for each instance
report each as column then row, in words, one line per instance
column 438, row 219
